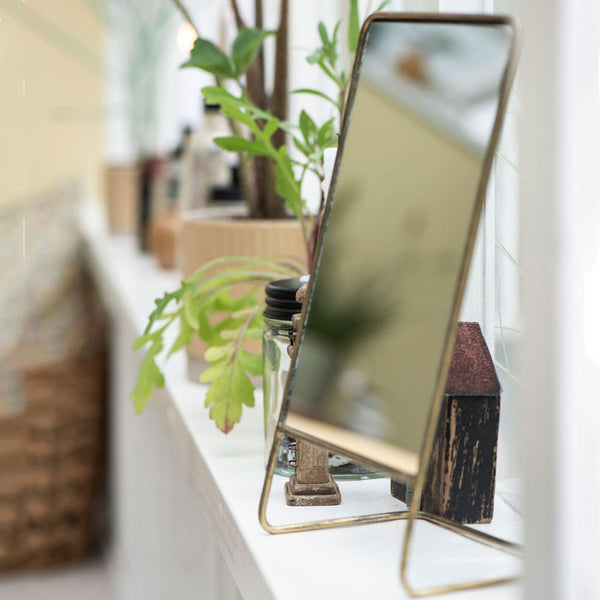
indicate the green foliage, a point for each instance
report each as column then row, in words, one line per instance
column 261, row 125
column 246, row 46
column 149, row 376
column 353, row 26
column 205, row 307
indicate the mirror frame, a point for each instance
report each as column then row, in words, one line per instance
column 413, row 513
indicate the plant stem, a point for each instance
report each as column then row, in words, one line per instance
column 239, row 22
column 186, row 15
column 243, row 330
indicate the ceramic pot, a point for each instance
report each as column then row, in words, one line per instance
column 121, row 191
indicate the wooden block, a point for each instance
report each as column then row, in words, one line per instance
column 461, row 476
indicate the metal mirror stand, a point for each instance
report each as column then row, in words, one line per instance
column 413, row 513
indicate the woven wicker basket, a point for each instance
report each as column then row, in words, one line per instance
column 51, row 465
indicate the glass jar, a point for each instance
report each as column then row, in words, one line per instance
column 281, row 305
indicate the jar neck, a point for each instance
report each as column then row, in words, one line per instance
column 279, row 326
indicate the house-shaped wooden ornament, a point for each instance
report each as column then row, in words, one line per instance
column 461, row 477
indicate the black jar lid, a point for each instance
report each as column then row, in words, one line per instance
column 281, row 298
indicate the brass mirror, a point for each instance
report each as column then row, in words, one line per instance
column 425, row 109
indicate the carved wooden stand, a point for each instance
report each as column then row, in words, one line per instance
column 311, row 484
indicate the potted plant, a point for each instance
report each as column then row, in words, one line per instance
column 204, row 305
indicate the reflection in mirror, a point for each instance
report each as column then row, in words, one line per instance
column 401, row 219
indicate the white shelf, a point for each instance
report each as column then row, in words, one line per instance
column 226, row 473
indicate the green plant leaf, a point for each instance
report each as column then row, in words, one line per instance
column 206, row 332
column 186, row 333
column 302, row 147
column 255, row 333
column 214, row 371
column 207, row 57
column 225, row 397
column 216, row 353
column 382, row 6
column 327, row 137
column 315, row 57
column 307, row 127
column 251, row 363
column 190, row 309
column 142, row 340
column 316, row 93
column 323, row 34
column 353, row 27
column 271, row 127
column 334, row 37
column 148, row 378
column 221, row 96
column 245, row 48
column 287, row 186
column 239, row 144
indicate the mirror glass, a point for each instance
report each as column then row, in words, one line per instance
column 402, row 210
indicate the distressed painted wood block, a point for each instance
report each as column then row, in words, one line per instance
column 461, row 476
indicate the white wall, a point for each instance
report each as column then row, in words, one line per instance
column 560, row 218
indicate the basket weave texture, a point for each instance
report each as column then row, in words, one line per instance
column 51, row 465
column 52, row 385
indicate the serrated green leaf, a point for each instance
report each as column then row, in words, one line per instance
column 251, row 363
column 214, row 371
column 353, row 27
column 254, row 332
column 230, row 334
column 207, row 57
column 224, row 302
column 142, row 340
column 229, row 323
column 228, row 392
column 216, row 353
column 190, row 309
column 246, row 47
column 206, row 332
column 186, row 333
column 244, row 312
column 149, row 377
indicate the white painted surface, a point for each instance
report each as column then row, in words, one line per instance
column 185, row 495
